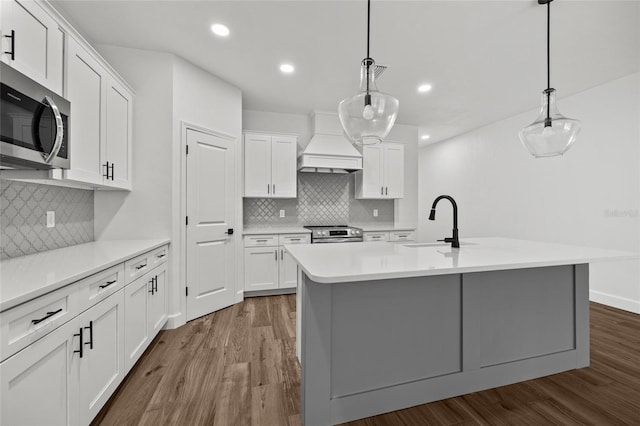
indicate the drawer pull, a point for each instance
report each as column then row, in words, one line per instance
column 49, row 315
column 90, row 342
column 261, row 241
column 141, row 266
column 160, row 256
column 108, row 284
column 79, row 351
column 295, row 239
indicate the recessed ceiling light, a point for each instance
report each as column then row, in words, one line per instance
column 425, row 137
column 220, row 30
column 287, row 68
column 424, row 88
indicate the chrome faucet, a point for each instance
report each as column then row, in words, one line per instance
column 455, row 243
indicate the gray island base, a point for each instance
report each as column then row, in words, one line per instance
column 374, row 346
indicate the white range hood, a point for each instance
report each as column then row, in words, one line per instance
column 328, row 150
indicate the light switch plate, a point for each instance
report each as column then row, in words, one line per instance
column 51, row 219
column 281, row 213
column 375, row 212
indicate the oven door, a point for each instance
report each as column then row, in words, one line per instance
column 339, row 240
column 33, row 128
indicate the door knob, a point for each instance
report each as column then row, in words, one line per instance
column 229, row 231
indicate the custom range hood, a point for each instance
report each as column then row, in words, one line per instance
column 328, row 150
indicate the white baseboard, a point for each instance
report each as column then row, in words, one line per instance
column 615, row 301
column 174, row 321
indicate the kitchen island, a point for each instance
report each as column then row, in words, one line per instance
column 387, row 326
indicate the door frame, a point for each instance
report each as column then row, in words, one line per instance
column 239, row 293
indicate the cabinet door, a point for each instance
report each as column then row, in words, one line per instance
column 136, row 312
column 85, row 89
column 288, row 270
column 117, row 146
column 371, row 175
column 260, row 268
column 39, row 385
column 393, row 171
column 158, row 301
column 283, row 166
column 257, row 165
column 37, row 43
column 102, row 365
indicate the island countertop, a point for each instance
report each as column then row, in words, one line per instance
column 334, row 263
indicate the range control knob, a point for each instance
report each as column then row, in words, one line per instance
column 324, row 232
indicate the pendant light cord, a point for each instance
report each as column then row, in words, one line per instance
column 547, row 122
column 368, row 59
column 549, row 45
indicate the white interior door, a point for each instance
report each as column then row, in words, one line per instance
column 211, row 191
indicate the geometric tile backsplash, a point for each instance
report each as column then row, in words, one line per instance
column 23, row 208
column 323, row 199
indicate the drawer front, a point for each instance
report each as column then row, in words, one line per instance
column 26, row 323
column 137, row 267
column 294, row 239
column 402, row 236
column 260, row 240
column 376, row 236
column 100, row 286
column 159, row 256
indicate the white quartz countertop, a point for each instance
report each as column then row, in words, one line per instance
column 27, row 277
column 263, row 230
column 333, row 263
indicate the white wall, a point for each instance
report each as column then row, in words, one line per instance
column 169, row 90
column 590, row 196
column 405, row 209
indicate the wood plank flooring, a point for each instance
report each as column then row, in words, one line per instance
column 238, row 367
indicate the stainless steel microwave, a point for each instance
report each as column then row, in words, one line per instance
column 34, row 123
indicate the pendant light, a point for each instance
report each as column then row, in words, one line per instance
column 368, row 116
column 551, row 133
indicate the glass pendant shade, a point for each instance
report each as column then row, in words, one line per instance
column 368, row 116
column 551, row 133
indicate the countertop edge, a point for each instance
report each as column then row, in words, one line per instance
column 327, row 279
column 81, row 274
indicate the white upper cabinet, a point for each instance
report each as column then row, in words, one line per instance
column 86, row 82
column 101, row 127
column 382, row 174
column 119, row 131
column 32, row 42
column 270, row 166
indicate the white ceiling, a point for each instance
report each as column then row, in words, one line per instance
column 485, row 59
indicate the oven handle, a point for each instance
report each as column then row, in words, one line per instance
column 338, row 240
column 48, row 158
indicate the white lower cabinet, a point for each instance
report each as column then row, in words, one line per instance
column 392, row 236
column 101, row 363
column 70, row 373
column 268, row 265
column 260, row 268
column 145, row 312
column 39, row 384
column 78, row 352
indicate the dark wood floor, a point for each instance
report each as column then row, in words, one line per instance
column 238, row 367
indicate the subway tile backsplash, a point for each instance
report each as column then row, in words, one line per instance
column 323, row 199
column 23, row 208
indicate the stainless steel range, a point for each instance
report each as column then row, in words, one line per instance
column 335, row 234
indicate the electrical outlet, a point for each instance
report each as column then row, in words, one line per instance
column 281, row 213
column 375, row 212
column 51, row 219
